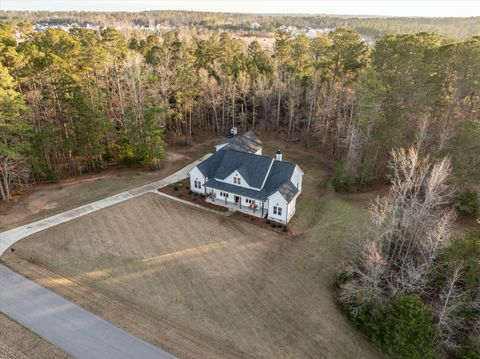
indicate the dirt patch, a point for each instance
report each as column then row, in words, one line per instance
column 173, row 157
column 195, row 283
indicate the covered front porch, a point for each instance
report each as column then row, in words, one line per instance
column 238, row 203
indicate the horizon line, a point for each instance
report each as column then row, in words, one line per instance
column 243, row 13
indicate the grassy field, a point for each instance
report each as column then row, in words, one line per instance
column 203, row 285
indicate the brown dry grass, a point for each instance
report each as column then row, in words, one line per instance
column 16, row 342
column 195, row 283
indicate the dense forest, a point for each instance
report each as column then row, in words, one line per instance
column 459, row 28
column 72, row 102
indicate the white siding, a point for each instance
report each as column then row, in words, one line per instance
column 260, row 151
column 220, row 200
column 236, row 174
column 277, row 200
column 297, row 177
column 291, row 209
column 196, row 175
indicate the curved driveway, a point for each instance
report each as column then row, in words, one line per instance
column 71, row 328
column 10, row 237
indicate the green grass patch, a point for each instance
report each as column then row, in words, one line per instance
column 338, row 221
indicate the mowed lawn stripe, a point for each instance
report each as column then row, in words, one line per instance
column 226, row 288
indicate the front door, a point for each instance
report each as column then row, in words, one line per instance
column 237, row 199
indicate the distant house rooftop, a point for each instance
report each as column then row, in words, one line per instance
column 247, row 142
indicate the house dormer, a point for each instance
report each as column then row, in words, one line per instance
column 236, row 178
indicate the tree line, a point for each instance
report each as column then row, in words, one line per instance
column 454, row 27
column 73, row 102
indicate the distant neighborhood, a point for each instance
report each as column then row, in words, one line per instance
column 39, row 27
column 255, row 27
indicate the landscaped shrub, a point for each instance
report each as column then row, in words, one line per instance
column 467, row 203
column 175, row 187
column 274, row 225
column 268, row 221
column 340, row 181
column 402, row 328
column 190, row 191
column 285, row 228
column 180, row 185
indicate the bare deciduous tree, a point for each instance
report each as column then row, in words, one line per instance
column 451, row 301
column 409, row 227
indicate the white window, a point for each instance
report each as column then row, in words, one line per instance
column 249, row 201
column 224, row 194
column 197, row 184
column 277, row 210
column 236, row 180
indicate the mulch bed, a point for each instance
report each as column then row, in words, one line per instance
column 182, row 192
column 262, row 222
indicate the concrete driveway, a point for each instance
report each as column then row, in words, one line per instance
column 66, row 325
column 10, row 237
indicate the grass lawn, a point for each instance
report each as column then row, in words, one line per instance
column 206, row 286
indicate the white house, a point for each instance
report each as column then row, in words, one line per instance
column 238, row 176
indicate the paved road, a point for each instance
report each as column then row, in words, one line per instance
column 12, row 236
column 66, row 325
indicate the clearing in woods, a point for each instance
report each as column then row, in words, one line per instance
column 200, row 284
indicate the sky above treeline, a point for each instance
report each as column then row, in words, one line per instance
column 423, row 8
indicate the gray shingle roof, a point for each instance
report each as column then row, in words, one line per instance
column 210, row 165
column 279, row 180
column 228, row 187
column 254, row 169
column 248, row 142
